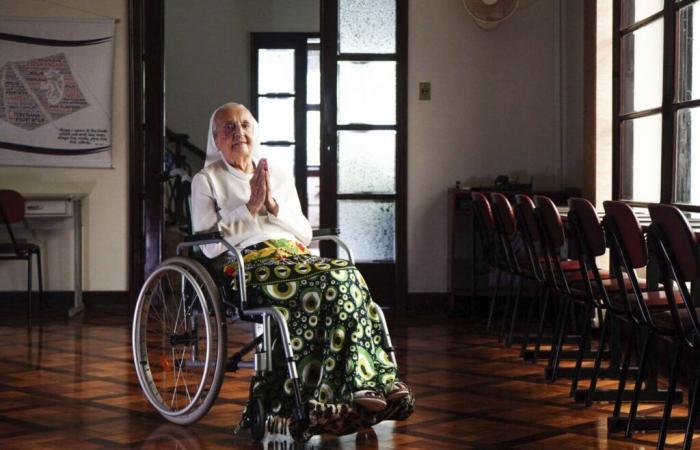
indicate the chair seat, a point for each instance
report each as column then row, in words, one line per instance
column 573, row 277
column 659, row 299
column 664, row 320
column 25, row 248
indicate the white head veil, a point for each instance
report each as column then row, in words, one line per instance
column 213, row 153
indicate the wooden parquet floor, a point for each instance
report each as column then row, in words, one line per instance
column 70, row 385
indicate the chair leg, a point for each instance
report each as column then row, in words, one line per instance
column 692, row 413
column 623, row 376
column 638, row 385
column 493, row 299
column 530, row 312
column 29, row 286
column 583, row 345
column 598, row 358
column 540, row 328
column 559, row 343
column 509, row 300
column 678, row 351
column 42, row 301
column 509, row 338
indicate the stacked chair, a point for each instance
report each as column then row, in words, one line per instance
column 525, row 244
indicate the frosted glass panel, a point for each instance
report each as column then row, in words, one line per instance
column 313, row 138
column 367, row 162
column 642, row 68
column 368, row 228
column 275, row 71
column 367, row 92
column 688, row 72
column 641, row 158
column 279, row 157
column 276, row 118
column 313, row 77
column 635, row 10
column 688, row 156
column 367, row 26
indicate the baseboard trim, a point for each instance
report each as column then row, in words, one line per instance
column 118, row 300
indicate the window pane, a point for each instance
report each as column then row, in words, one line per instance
column 367, row 92
column 275, row 71
column 642, row 68
column 313, row 78
column 688, row 21
column 688, row 156
column 313, row 189
column 640, row 142
column 635, row 10
column 276, row 117
column 313, row 138
column 366, row 162
column 367, row 26
column 368, row 228
column 280, row 157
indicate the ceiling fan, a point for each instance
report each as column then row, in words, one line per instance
column 489, row 13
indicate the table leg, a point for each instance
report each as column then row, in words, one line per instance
column 78, row 305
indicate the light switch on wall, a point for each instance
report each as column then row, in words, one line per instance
column 424, row 90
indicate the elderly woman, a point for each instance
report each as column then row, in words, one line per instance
column 347, row 377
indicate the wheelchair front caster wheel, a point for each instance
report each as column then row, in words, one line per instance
column 257, row 419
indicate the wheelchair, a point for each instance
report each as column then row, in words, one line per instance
column 179, row 335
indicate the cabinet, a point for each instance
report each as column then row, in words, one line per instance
column 462, row 251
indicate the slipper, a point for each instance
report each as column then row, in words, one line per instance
column 369, row 400
column 397, row 392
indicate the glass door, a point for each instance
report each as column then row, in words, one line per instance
column 363, row 159
column 286, row 90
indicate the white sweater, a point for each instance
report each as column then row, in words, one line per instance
column 219, row 196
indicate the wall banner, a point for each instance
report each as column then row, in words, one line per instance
column 56, row 92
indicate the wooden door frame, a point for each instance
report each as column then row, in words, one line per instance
column 146, row 139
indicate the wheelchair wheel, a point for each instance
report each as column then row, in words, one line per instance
column 257, row 417
column 179, row 340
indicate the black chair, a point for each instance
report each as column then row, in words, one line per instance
column 12, row 211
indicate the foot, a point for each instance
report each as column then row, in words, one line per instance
column 398, row 391
column 369, row 400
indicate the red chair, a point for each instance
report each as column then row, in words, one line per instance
column 676, row 247
column 12, row 211
column 495, row 259
column 516, row 262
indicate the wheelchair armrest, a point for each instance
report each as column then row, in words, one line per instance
column 320, row 232
column 331, row 234
column 204, row 236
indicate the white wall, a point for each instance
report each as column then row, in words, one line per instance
column 105, row 212
column 494, row 110
column 207, row 53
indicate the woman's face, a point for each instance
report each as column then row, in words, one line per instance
column 234, row 134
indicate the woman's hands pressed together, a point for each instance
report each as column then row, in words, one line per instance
column 260, row 191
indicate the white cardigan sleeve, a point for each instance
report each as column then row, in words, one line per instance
column 238, row 224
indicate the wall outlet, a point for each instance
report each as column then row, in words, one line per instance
column 424, row 90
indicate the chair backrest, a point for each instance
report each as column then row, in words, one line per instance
column 551, row 220
column 628, row 231
column 528, row 224
column 504, row 212
column 11, row 206
column 680, row 238
column 11, row 211
column 483, row 210
column 586, row 220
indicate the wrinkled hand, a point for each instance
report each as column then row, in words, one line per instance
column 258, row 189
column 270, row 202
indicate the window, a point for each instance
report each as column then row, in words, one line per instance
column 656, row 104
